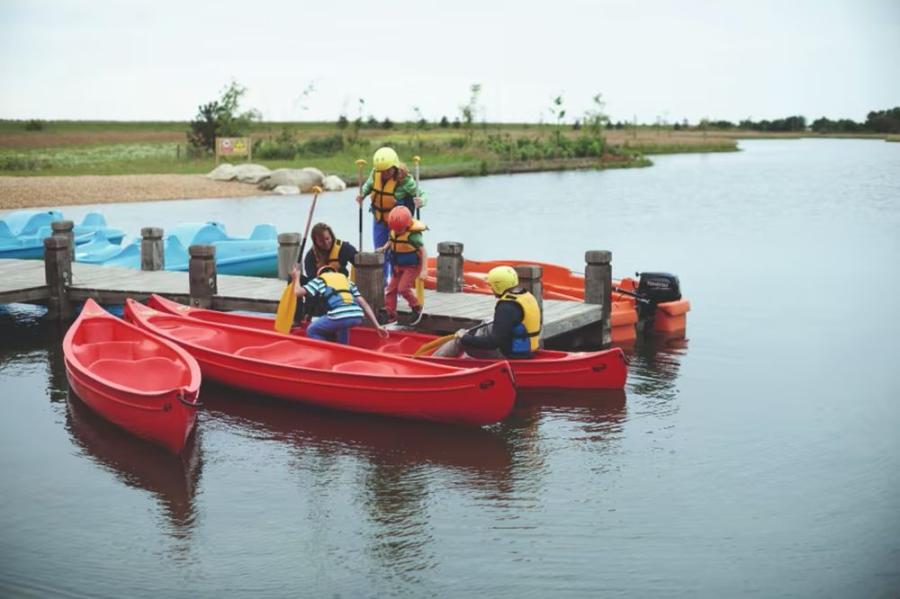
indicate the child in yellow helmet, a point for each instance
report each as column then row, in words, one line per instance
column 390, row 184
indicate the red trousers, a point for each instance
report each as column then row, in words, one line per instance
column 403, row 281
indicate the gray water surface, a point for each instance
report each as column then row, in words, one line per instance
column 757, row 457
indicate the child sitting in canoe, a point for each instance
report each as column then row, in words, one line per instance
column 346, row 307
column 408, row 261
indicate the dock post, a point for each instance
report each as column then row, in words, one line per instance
column 598, row 286
column 370, row 278
column 450, row 267
column 530, row 280
column 66, row 230
column 202, row 273
column 288, row 253
column 153, row 255
column 58, row 275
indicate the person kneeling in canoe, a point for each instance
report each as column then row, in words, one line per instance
column 408, row 262
column 346, row 307
column 515, row 331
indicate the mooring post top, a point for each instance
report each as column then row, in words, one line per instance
column 202, row 251
column 151, row 233
column 598, row 256
column 529, row 271
column 452, row 248
column 56, row 243
column 369, row 259
column 289, row 239
column 62, row 226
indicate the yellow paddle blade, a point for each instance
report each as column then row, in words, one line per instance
column 287, row 307
column 433, row 344
column 420, row 292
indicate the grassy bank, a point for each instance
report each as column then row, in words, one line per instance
column 116, row 148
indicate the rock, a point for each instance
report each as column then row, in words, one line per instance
column 251, row 173
column 333, row 183
column 223, row 172
column 286, row 190
column 304, row 178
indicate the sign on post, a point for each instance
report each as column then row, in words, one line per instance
column 234, row 146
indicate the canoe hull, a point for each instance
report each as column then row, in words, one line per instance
column 334, row 376
column 549, row 369
column 142, row 384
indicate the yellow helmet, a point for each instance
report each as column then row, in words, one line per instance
column 501, row 278
column 385, row 158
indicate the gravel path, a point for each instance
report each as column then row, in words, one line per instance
column 29, row 192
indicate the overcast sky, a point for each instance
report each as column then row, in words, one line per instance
column 158, row 59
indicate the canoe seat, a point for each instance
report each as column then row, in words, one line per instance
column 149, row 374
column 87, row 353
column 288, row 353
column 365, row 367
column 192, row 334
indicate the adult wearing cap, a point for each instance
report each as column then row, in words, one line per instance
column 390, row 184
column 516, row 329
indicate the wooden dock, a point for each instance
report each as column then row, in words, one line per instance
column 61, row 283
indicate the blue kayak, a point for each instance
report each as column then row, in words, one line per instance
column 256, row 255
column 22, row 232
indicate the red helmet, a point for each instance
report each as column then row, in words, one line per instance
column 399, row 219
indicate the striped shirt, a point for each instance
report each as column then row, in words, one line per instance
column 316, row 287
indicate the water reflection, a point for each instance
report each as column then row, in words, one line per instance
column 653, row 369
column 406, row 463
column 172, row 479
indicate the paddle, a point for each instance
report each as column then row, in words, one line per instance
column 359, row 166
column 287, row 305
column 420, row 283
column 436, row 343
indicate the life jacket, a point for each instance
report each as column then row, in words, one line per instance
column 332, row 260
column 383, row 198
column 337, row 291
column 403, row 253
column 526, row 334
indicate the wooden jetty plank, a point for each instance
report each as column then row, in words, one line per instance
column 24, row 281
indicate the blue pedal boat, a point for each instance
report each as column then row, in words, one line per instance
column 256, row 255
column 22, row 232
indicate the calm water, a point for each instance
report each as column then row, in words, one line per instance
column 758, row 457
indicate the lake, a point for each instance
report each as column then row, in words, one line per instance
column 758, row 457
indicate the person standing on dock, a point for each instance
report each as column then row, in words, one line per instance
column 515, row 331
column 408, row 260
column 346, row 307
column 390, row 184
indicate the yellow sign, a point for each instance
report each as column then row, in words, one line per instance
column 233, row 146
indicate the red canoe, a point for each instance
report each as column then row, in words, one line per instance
column 335, row 376
column 139, row 382
column 547, row 370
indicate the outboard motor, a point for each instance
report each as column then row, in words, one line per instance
column 655, row 288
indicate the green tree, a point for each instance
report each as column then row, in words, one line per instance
column 221, row 118
column 470, row 110
column 594, row 117
column 557, row 110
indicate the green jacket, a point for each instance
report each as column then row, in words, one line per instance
column 406, row 190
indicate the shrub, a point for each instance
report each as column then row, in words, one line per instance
column 34, row 125
column 323, row 146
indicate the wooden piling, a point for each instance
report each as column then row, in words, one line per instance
column 370, row 278
column 153, row 255
column 530, row 280
column 598, row 286
column 288, row 254
column 65, row 229
column 450, row 267
column 202, row 273
column 58, row 276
